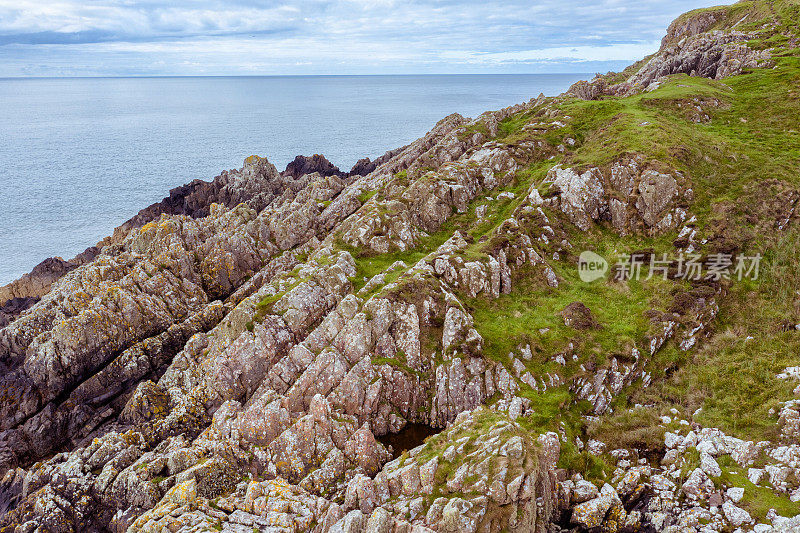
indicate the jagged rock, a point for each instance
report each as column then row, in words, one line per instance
column 353, row 522
column 736, row 515
column 302, row 165
column 23, row 293
column 256, row 183
column 379, row 522
column 584, row 491
column 709, row 466
column 713, row 55
column 37, row 283
column 581, row 195
column 735, row 494
column 697, row 484
column 499, row 461
column 588, row 90
column 631, row 196
column 688, row 48
column 592, row 513
column 13, row 307
column 656, row 193
column 214, row 366
column 365, row 166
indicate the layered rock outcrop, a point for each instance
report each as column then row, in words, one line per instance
column 690, row 47
column 197, row 348
column 714, row 55
column 632, row 195
column 234, row 358
column 256, row 183
column 302, row 165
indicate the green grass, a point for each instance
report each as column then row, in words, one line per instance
column 591, row 467
column 368, row 266
column 727, row 162
column 733, row 381
column 618, row 307
column 638, row 429
column 510, row 129
column 732, row 377
column 365, row 196
column 741, row 172
column 691, row 461
column 741, row 166
column 727, row 16
column 264, row 306
column 721, row 157
column 757, row 500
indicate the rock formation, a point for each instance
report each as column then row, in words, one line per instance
column 303, row 165
column 250, row 353
column 691, row 47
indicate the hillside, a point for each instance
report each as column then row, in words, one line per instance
column 412, row 346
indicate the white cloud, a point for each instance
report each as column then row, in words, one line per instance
column 338, row 36
column 611, row 52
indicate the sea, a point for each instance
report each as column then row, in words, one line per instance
column 79, row 156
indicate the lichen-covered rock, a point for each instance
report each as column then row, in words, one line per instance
column 736, row 515
column 581, row 195
column 592, row 514
column 252, row 354
column 497, row 481
column 713, row 55
column 631, row 196
column 690, row 47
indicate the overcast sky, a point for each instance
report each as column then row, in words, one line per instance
column 263, row 37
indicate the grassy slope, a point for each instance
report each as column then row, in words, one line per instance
column 752, row 137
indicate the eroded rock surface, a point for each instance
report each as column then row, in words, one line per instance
column 691, row 47
column 632, row 195
column 231, row 357
column 198, row 348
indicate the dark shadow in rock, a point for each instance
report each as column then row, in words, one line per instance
column 10, row 310
column 411, row 436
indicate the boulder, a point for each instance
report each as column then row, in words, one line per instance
column 735, row 515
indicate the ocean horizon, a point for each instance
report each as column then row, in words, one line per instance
column 83, row 154
column 419, row 75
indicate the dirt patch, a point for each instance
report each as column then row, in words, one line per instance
column 576, row 315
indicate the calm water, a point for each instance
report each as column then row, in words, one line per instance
column 81, row 156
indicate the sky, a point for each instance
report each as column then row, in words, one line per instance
column 307, row 37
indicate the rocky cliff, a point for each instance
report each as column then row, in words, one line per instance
column 411, row 346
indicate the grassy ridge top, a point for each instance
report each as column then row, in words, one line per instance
column 746, row 15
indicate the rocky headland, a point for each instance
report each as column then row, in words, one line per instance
column 409, row 347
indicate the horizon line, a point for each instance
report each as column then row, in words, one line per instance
column 153, row 76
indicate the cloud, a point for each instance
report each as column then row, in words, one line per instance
column 610, row 52
column 153, row 37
